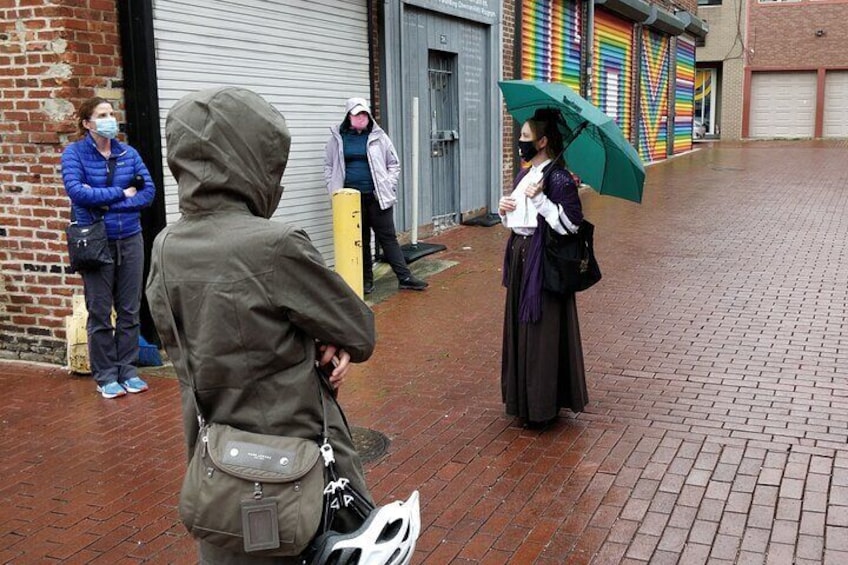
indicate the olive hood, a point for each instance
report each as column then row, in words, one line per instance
column 227, row 148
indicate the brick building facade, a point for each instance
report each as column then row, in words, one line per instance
column 53, row 55
column 804, row 42
column 723, row 53
column 765, row 55
column 783, row 35
column 509, row 141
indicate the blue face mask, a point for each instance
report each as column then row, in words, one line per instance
column 107, row 127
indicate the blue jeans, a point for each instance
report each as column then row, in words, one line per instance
column 113, row 350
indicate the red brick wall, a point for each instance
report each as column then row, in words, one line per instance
column 783, row 35
column 53, row 55
column 690, row 5
column 508, row 31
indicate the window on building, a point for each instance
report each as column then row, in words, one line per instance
column 709, row 2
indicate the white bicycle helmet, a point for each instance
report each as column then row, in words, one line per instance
column 387, row 537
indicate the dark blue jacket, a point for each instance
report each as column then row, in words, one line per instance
column 84, row 172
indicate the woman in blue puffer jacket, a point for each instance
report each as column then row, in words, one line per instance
column 106, row 178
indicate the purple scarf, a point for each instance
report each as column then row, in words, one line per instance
column 561, row 189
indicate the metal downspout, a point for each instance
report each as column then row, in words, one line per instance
column 590, row 50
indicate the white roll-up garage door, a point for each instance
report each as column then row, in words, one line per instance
column 305, row 58
column 783, row 105
column 835, row 104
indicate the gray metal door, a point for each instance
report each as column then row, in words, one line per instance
column 444, row 137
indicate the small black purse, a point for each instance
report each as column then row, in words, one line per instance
column 88, row 246
column 568, row 263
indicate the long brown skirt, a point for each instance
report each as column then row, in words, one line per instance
column 542, row 366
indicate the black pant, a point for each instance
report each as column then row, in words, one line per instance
column 113, row 350
column 383, row 224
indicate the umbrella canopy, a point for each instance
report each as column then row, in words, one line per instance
column 599, row 153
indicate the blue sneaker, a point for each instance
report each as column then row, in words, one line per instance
column 111, row 390
column 134, row 385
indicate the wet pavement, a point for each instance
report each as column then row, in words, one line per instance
column 716, row 354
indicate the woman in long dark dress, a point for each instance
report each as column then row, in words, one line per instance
column 542, row 366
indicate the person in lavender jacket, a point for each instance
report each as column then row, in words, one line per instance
column 360, row 155
column 542, row 365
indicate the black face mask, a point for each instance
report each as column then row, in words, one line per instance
column 527, row 150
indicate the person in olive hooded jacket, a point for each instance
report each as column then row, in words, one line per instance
column 254, row 303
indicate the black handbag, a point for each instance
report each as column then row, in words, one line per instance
column 568, row 263
column 88, row 246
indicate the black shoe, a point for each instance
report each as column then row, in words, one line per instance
column 412, row 283
column 368, row 287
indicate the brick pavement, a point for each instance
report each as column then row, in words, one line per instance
column 715, row 346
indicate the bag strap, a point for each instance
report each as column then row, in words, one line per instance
column 111, row 165
column 159, row 247
column 545, row 177
column 338, row 492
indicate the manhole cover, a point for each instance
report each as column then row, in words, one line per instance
column 369, row 443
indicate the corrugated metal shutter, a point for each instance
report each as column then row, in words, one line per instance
column 653, row 93
column 305, row 58
column 612, row 84
column 836, row 104
column 550, row 41
column 783, row 104
column 684, row 94
column 536, row 40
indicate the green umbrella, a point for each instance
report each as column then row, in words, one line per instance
column 598, row 152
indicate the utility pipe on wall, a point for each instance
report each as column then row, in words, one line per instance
column 590, row 48
column 415, row 166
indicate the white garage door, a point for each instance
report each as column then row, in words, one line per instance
column 305, row 58
column 836, row 104
column 783, row 105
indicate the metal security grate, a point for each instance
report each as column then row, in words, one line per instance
column 444, row 134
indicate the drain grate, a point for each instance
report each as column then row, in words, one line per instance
column 370, row 444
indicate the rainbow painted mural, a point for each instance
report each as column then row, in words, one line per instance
column 684, row 94
column 613, row 68
column 550, row 41
column 653, row 96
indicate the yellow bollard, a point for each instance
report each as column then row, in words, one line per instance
column 347, row 237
